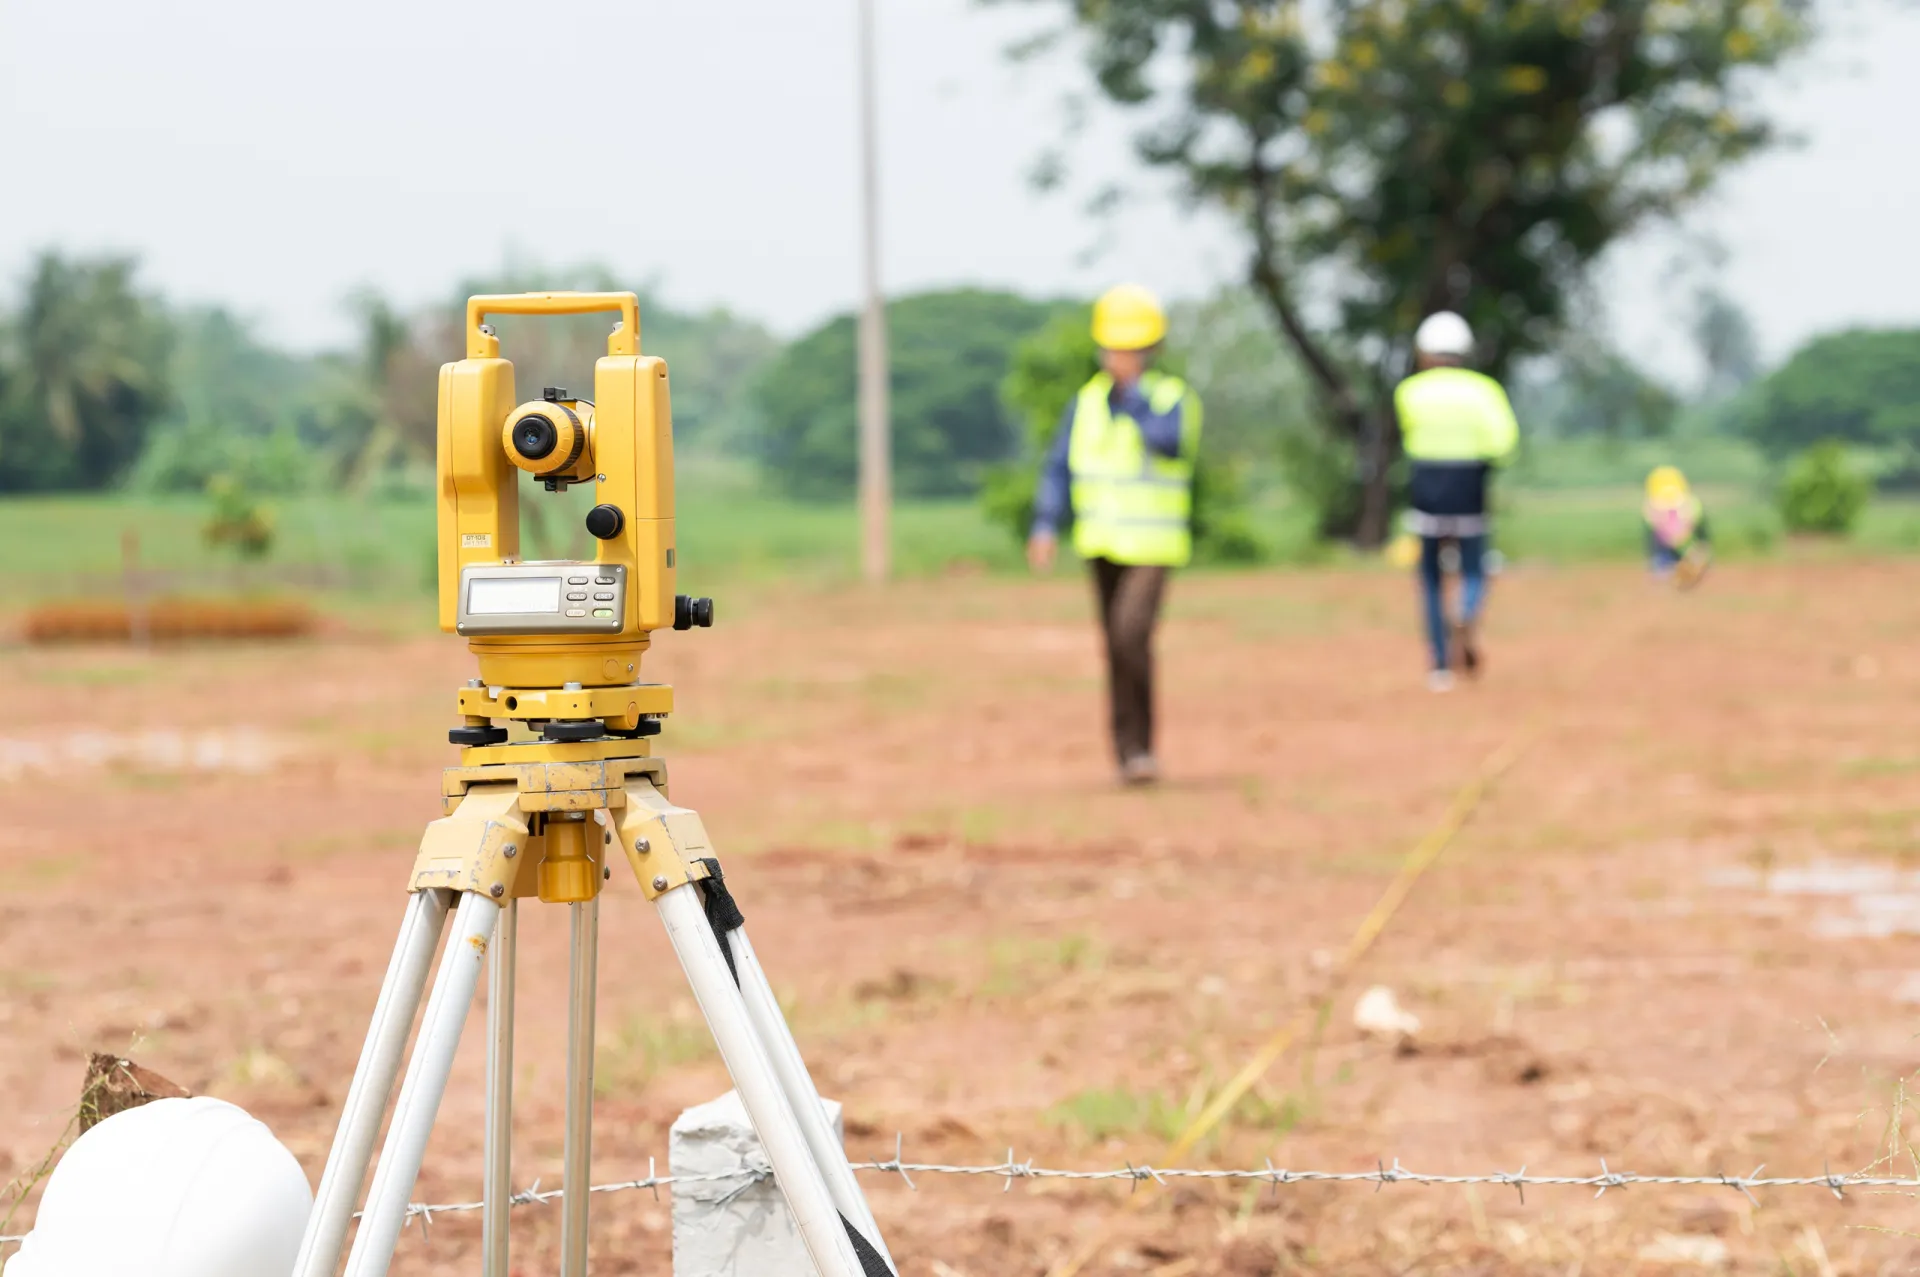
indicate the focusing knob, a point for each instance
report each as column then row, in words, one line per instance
column 689, row 612
column 605, row 521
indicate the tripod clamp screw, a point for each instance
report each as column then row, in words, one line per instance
column 643, row 845
column 660, row 883
column 510, row 851
column 497, row 890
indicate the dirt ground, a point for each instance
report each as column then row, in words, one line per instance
column 1682, row 934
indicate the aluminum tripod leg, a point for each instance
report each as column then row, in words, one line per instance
column 498, row 1191
column 574, row 1189
column 800, row 1179
column 372, row 1084
column 420, row 1094
column 804, row 1098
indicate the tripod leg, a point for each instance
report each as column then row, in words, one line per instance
column 763, row 1008
column 582, row 978
column 794, row 1169
column 420, row 1094
column 498, row 1192
column 373, row 1079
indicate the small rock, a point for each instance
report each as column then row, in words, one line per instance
column 1379, row 1014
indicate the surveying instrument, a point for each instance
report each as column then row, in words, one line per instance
column 559, row 646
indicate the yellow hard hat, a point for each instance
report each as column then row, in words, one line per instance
column 1128, row 317
column 1666, row 483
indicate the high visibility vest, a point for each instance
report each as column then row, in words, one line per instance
column 1455, row 414
column 1130, row 504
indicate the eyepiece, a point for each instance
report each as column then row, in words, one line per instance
column 549, row 440
column 534, row 437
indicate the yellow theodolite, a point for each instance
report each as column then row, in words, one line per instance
column 559, row 646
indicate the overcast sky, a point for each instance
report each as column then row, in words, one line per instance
column 273, row 157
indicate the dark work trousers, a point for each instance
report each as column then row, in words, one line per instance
column 1129, row 597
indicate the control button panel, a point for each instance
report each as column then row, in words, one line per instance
column 542, row 598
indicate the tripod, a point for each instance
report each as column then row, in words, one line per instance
column 538, row 819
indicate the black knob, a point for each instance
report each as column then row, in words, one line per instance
column 535, row 437
column 605, row 521
column 689, row 612
column 571, row 729
column 476, row 735
column 554, row 394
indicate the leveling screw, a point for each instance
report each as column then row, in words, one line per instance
column 660, row 883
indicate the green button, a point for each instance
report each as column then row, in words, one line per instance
column 604, row 613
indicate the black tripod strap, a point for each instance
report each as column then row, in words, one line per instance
column 723, row 915
column 872, row 1263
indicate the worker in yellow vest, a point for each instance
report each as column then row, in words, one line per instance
column 1121, row 467
column 1456, row 427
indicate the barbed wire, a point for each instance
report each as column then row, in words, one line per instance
column 1382, row 1174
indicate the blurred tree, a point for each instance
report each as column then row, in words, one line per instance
column 1591, row 388
column 239, row 409
column 1396, row 157
column 949, row 354
column 1861, row 387
column 88, row 358
column 1823, row 492
column 1729, row 349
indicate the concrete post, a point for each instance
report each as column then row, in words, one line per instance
column 721, row 1229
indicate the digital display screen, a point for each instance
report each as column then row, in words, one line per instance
column 512, row 595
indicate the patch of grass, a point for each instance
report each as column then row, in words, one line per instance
column 647, row 1045
column 1118, row 1113
column 1017, row 965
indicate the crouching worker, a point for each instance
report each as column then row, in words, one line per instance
column 1677, row 542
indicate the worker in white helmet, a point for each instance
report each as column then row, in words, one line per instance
column 1456, row 426
column 175, row 1188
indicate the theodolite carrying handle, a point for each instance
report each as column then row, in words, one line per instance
column 484, row 345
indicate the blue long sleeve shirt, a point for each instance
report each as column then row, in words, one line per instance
column 1161, row 431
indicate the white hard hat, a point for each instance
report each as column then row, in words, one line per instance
column 1444, row 333
column 175, row 1188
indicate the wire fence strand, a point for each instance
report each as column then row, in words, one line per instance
column 1014, row 1169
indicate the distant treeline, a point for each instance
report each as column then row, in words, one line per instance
column 104, row 383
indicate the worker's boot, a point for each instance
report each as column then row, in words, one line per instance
column 1466, row 643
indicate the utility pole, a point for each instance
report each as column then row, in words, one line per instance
column 876, row 460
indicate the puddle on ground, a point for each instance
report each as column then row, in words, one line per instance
column 215, row 749
column 1861, row 900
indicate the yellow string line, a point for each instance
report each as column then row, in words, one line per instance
column 1465, row 802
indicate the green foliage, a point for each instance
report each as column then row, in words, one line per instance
column 1409, row 156
column 949, row 352
column 1823, row 492
column 84, row 371
column 1593, row 389
column 1861, row 387
column 236, row 521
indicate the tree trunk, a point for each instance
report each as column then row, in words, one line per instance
column 1379, row 448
